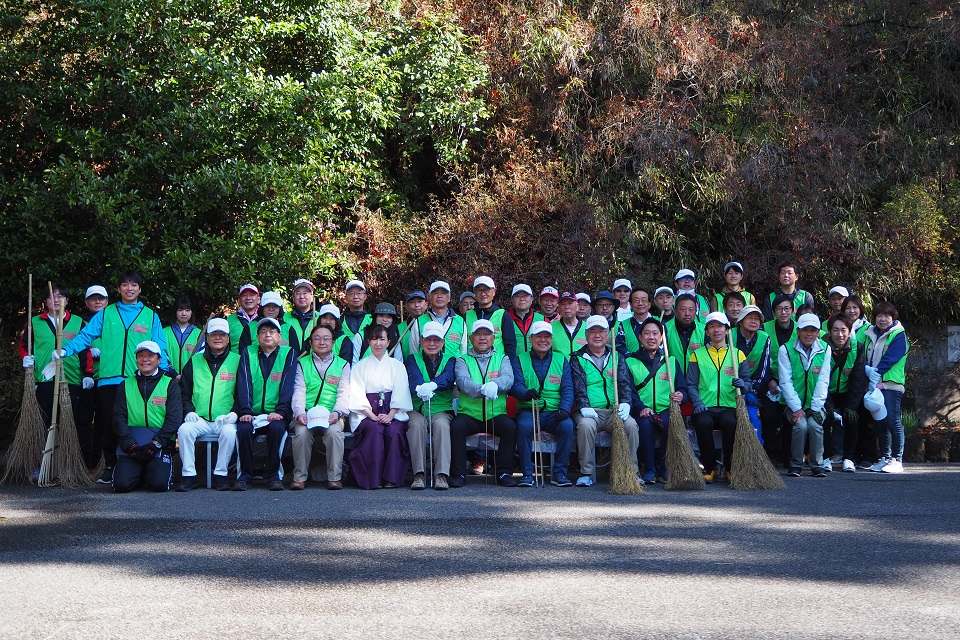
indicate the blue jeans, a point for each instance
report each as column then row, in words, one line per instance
column 753, row 410
column 562, row 432
column 891, row 427
column 653, row 458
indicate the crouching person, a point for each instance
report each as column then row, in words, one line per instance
column 147, row 413
column 208, row 385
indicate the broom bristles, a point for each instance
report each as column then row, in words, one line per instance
column 751, row 468
column 24, row 454
column 683, row 472
column 72, row 472
column 623, row 477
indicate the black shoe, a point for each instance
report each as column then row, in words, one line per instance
column 506, row 480
column 220, row 483
column 239, row 485
column 106, row 477
column 456, row 482
column 560, row 480
column 793, row 472
column 819, row 472
column 275, row 485
column 188, row 483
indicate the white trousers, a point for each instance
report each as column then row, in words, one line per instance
column 187, row 436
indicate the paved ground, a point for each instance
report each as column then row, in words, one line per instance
column 861, row 555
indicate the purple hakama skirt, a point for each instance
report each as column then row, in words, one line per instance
column 380, row 452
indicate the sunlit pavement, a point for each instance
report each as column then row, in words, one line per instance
column 861, row 555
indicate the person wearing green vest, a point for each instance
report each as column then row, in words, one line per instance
column 484, row 376
column 685, row 282
column 835, row 299
column 622, row 290
column 522, row 317
column 549, row 303
column 77, row 369
column 147, row 413
column 584, row 306
column 120, row 327
column 788, row 274
column 439, row 311
column 184, row 339
column 713, row 376
column 299, row 321
column 848, row 383
column 804, row 382
column 651, row 376
column 569, row 332
column 271, row 306
column 321, row 402
column 628, row 330
column 208, row 387
column 355, row 319
column 663, row 300
column 467, row 302
column 755, row 343
column 732, row 281
column 415, row 304
column 264, row 392
column 733, row 304
column 593, row 374
column 887, row 349
column 432, row 376
column 777, row 433
column 504, row 338
column 330, row 317
column 606, row 305
column 685, row 332
column 543, row 377
column 248, row 307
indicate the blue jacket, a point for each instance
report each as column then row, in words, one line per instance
column 445, row 379
column 245, row 382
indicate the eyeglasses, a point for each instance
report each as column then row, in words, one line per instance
column 321, row 339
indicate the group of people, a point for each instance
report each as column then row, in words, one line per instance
column 566, row 364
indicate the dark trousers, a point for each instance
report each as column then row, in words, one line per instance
column 155, row 474
column 245, row 433
column 704, row 424
column 84, row 417
column 104, row 438
column 776, row 435
column 463, row 425
column 45, row 400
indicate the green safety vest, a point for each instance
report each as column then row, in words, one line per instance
column 697, row 340
column 770, row 328
column 804, row 381
column 600, row 391
column 366, row 322
column 753, row 358
column 452, row 339
column 840, row 376
column 300, row 333
column 442, row 400
column 523, row 339
column 550, row 387
column 321, row 392
column 143, row 413
column 630, row 338
column 496, row 320
column 45, row 341
column 118, row 351
column 654, row 390
column 236, row 330
column 180, row 356
column 800, row 294
column 562, row 342
column 405, row 347
column 897, row 373
column 266, row 392
column 213, row 397
column 716, row 383
column 477, row 407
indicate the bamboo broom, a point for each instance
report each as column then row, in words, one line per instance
column 623, row 477
column 750, row 467
column 683, row 472
column 24, row 454
column 48, row 470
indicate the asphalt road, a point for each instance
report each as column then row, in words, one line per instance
column 849, row 556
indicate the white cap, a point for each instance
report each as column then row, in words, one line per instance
column 717, row 316
column 596, row 321
column 747, row 310
column 271, row 297
column 808, row 320
column 435, row 330
column 663, row 290
column 841, row 290
column 584, row 297
column 486, row 281
column 303, row 282
column 518, row 288
column 685, row 273
column 440, row 284
column 218, row 324
column 148, row 345
column 481, row 324
column 250, row 286
column 355, row 283
column 331, row 309
column 95, row 290
column 550, row 291
column 318, row 417
column 621, row 282
column 541, row 326
column 268, row 321
column 873, row 402
column 727, row 266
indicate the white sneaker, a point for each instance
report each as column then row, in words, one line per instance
column 893, row 466
column 827, row 465
column 880, row 464
column 849, row 467
column 585, row 481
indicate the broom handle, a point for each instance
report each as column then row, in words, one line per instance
column 666, row 359
column 733, row 360
column 59, row 365
column 616, row 386
column 30, row 314
column 400, row 339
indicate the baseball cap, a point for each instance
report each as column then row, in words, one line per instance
column 440, row 284
column 355, row 283
column 481, row 324
column 148, row 345
column 303, row 282
column 218, row 325
column 596, row 321
column 841, row 290
column 622, row 282
column 747, row 310
column 95, row 290
column 467, row 294
column 330, row 309
column 685, row 273
column 432, row 330
column 663, row 290
column 271, row 297
column 414, row 295
column 808, row 320
column 717, row 316
column 735, row 265
column 521, row 288
column 541, row 326
column 248, row 287
column 486, row 281
column 264, row 322
column 550, row 291
column 568, row 295
column 584, row 297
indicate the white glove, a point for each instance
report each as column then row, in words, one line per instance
column 192, row 417
column 94, row 353
column 87, row 383
column 838, row 418
column 589, row 412
column 623, row 410
column 873, row 374
column 28, row 361
column 425, row 390
column 490, row 390
column 49, row 371
column 230, row 418
column 56, row 355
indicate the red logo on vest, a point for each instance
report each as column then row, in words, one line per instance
column 275, row 376
column 228, row 376
column 159, row 401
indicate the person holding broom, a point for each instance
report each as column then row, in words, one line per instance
column 714, row 374
column 147, row 413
